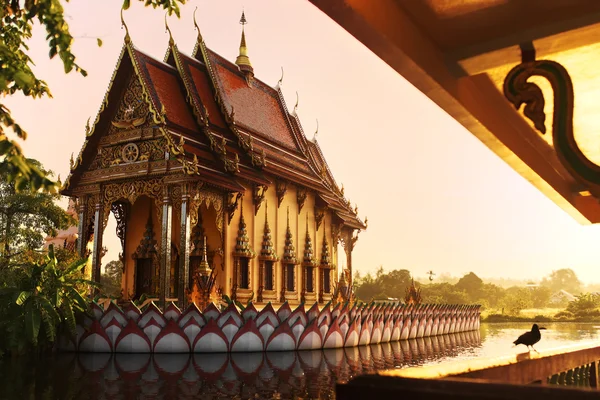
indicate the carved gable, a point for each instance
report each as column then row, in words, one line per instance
column 131, row 136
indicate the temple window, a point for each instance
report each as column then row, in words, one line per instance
column 290, row 271
column 309, row 279
column 244, row 273
column 269, row 275
column 327, row 281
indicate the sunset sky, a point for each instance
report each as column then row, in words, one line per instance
column 436, row 198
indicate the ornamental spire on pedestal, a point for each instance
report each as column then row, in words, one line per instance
column 289, row 252
column 242, row 60
column 267, row 250
column 308, row 250
column 204, row 268
column 242, row 242
column 325, row 257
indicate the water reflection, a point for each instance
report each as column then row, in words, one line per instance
column 304, row 374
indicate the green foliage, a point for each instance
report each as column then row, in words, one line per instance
column 563, row 279
column 39, row 301
column 110, row 281
column 585, row 305
column 16, row 75
column 383, row 286
column 443, row 293
column 471, row 284
column 25, row 217
column 540, row 296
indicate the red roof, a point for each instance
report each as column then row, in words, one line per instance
column 259, row 111
column 256, row 104
column 166, row 87
column 202, row 88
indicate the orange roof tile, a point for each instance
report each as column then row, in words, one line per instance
column 203, row 89
column 256, row 105
column 169, row 91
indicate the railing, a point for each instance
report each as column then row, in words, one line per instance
column 523, row 376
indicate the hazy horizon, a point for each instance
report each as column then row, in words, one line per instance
column 436, row 198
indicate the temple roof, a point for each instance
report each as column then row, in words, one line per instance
column 235, row 127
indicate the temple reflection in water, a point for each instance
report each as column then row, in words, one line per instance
column 304, row 374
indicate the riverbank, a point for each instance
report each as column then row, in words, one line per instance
column 500, row 318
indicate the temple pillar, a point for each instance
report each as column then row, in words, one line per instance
column 81, row 228
column 98, row 232
column 184, row 252
column 165, row 248
column 348, row 245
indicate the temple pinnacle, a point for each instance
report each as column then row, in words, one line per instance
column 242, row 61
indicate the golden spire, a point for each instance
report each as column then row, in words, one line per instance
column 171, row 41
column 123, row 24
column 242, row 61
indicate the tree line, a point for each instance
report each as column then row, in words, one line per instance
column 471, row 289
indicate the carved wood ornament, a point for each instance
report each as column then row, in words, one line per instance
column 518, row 90
column 301, row 197
column 281, row 189
column 258, row 195
column 232, row 205
column 319, row 215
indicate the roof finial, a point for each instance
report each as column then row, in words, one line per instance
column 87, row 128
column 242, row 61
column 296, row 106
column 123, row 24
column 171, row 41
column 316, row 132
column 200, row 39
column 280, row 81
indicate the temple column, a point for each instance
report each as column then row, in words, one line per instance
column 81, row 228
column 348, row 247
column 165, row 248
column 98, row 232
column 184, row 248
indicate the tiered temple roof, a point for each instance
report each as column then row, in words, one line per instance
column 220, row 122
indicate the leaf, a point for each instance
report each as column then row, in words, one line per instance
column 23, row 79
column 99, row 41
column 32, row 323
column 126, row 4
column 23, row 296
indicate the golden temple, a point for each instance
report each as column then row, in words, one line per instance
column 208, row 176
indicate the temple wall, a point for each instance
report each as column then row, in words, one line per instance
column 131, row 330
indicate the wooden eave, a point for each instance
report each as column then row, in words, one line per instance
column 433, row 54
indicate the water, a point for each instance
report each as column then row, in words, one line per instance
column 285, row 375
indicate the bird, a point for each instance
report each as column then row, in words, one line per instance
column 530, row 338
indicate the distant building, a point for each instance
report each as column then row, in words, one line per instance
column 65, row 238
column 562, row 296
